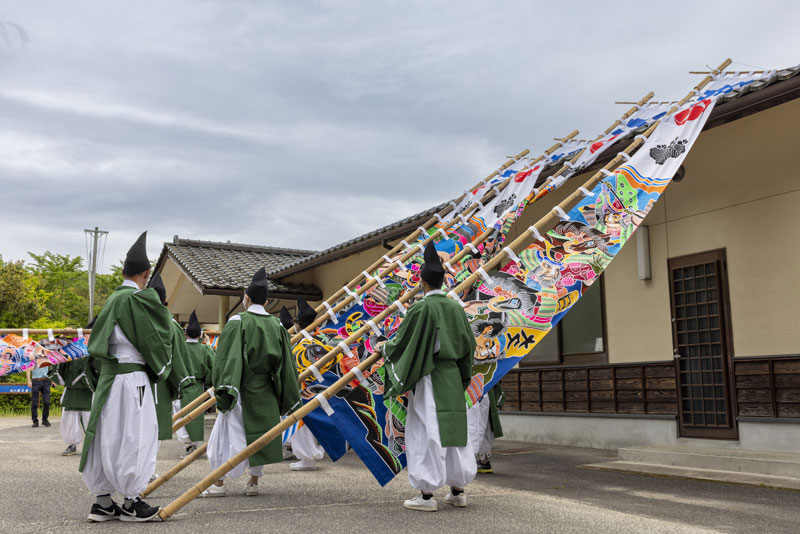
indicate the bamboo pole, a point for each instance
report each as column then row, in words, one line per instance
column 44, row 331
column 192, row 405
column 276, row 431
column 411, row 237
column 306, row 373
column 174, row 470
column 194, row 414
column 728, row 72
column 457, row 258
column 313, row 404
column 403, row 300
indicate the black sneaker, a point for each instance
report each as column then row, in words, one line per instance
column 140, row 511
column 35, row 424
column 484, row 467
column 70, row 450
column 98, row 513
column 46, row 423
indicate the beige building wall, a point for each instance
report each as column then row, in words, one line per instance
column 741, row 192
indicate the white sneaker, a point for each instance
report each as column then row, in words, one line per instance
column 304, row 465
column 459, row 500
column 423, row 505
column 251, row 490
column 214, row 491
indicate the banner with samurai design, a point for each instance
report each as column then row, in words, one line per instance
column 512, row 309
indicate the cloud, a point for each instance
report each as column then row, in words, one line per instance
column 304, row 124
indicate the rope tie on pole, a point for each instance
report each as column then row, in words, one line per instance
column 323, row 402
column 353, row 295
column 315, row 372
column 535, row 232
column 330, row 312
column 399, row 307
column 561, row 213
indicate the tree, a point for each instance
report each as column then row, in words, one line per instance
column 64, row 278
column 22, row 299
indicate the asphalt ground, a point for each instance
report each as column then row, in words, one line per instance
column 534, row 488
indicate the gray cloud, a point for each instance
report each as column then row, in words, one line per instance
column 303, row 124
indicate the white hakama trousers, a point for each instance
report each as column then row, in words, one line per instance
column 228, row 438
column 305, row 445
column 431, row 466
column 73, row 426
column 122, row 455
column 181, row 434
column 481, row 436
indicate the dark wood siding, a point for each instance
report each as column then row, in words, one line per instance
column 768, row 387
column 639, row 388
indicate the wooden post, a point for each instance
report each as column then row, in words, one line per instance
column 224, row 305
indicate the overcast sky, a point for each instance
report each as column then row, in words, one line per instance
column 303, row 124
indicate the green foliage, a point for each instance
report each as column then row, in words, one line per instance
column 22, row 298
column 52, row 291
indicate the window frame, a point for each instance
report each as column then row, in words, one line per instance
column 579, row 358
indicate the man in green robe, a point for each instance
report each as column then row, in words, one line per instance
column 170, row 391
column 484, row 426
column 302, row 443
column 255, row 382
column 76, row 402
column 430, row 357
column 199, row 362
column 131, row 339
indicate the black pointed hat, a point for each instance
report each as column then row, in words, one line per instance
column 286, row 318
column 305, row 313
column 432, row 270
column 158, row 284
column 193, row 329
column 257, row 290
column 136, row 260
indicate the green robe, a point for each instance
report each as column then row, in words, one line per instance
column 254, row 363
column 147, row 325
column 496, row 400
column 409, row 357
column 199, row 363
column 77, row 382
column 178, row 381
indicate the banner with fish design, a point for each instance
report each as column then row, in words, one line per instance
column 19, row 354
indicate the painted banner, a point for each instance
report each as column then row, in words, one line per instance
column 511, row 310
column 18, row 354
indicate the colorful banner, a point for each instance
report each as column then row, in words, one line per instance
column 18, row 354
column 512, row 309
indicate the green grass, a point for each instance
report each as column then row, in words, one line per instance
column 55, row 411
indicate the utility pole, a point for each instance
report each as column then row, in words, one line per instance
column 95, row 235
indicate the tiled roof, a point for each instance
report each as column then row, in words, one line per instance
column 396, row 230
column 727, row 109
column 225, row 268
